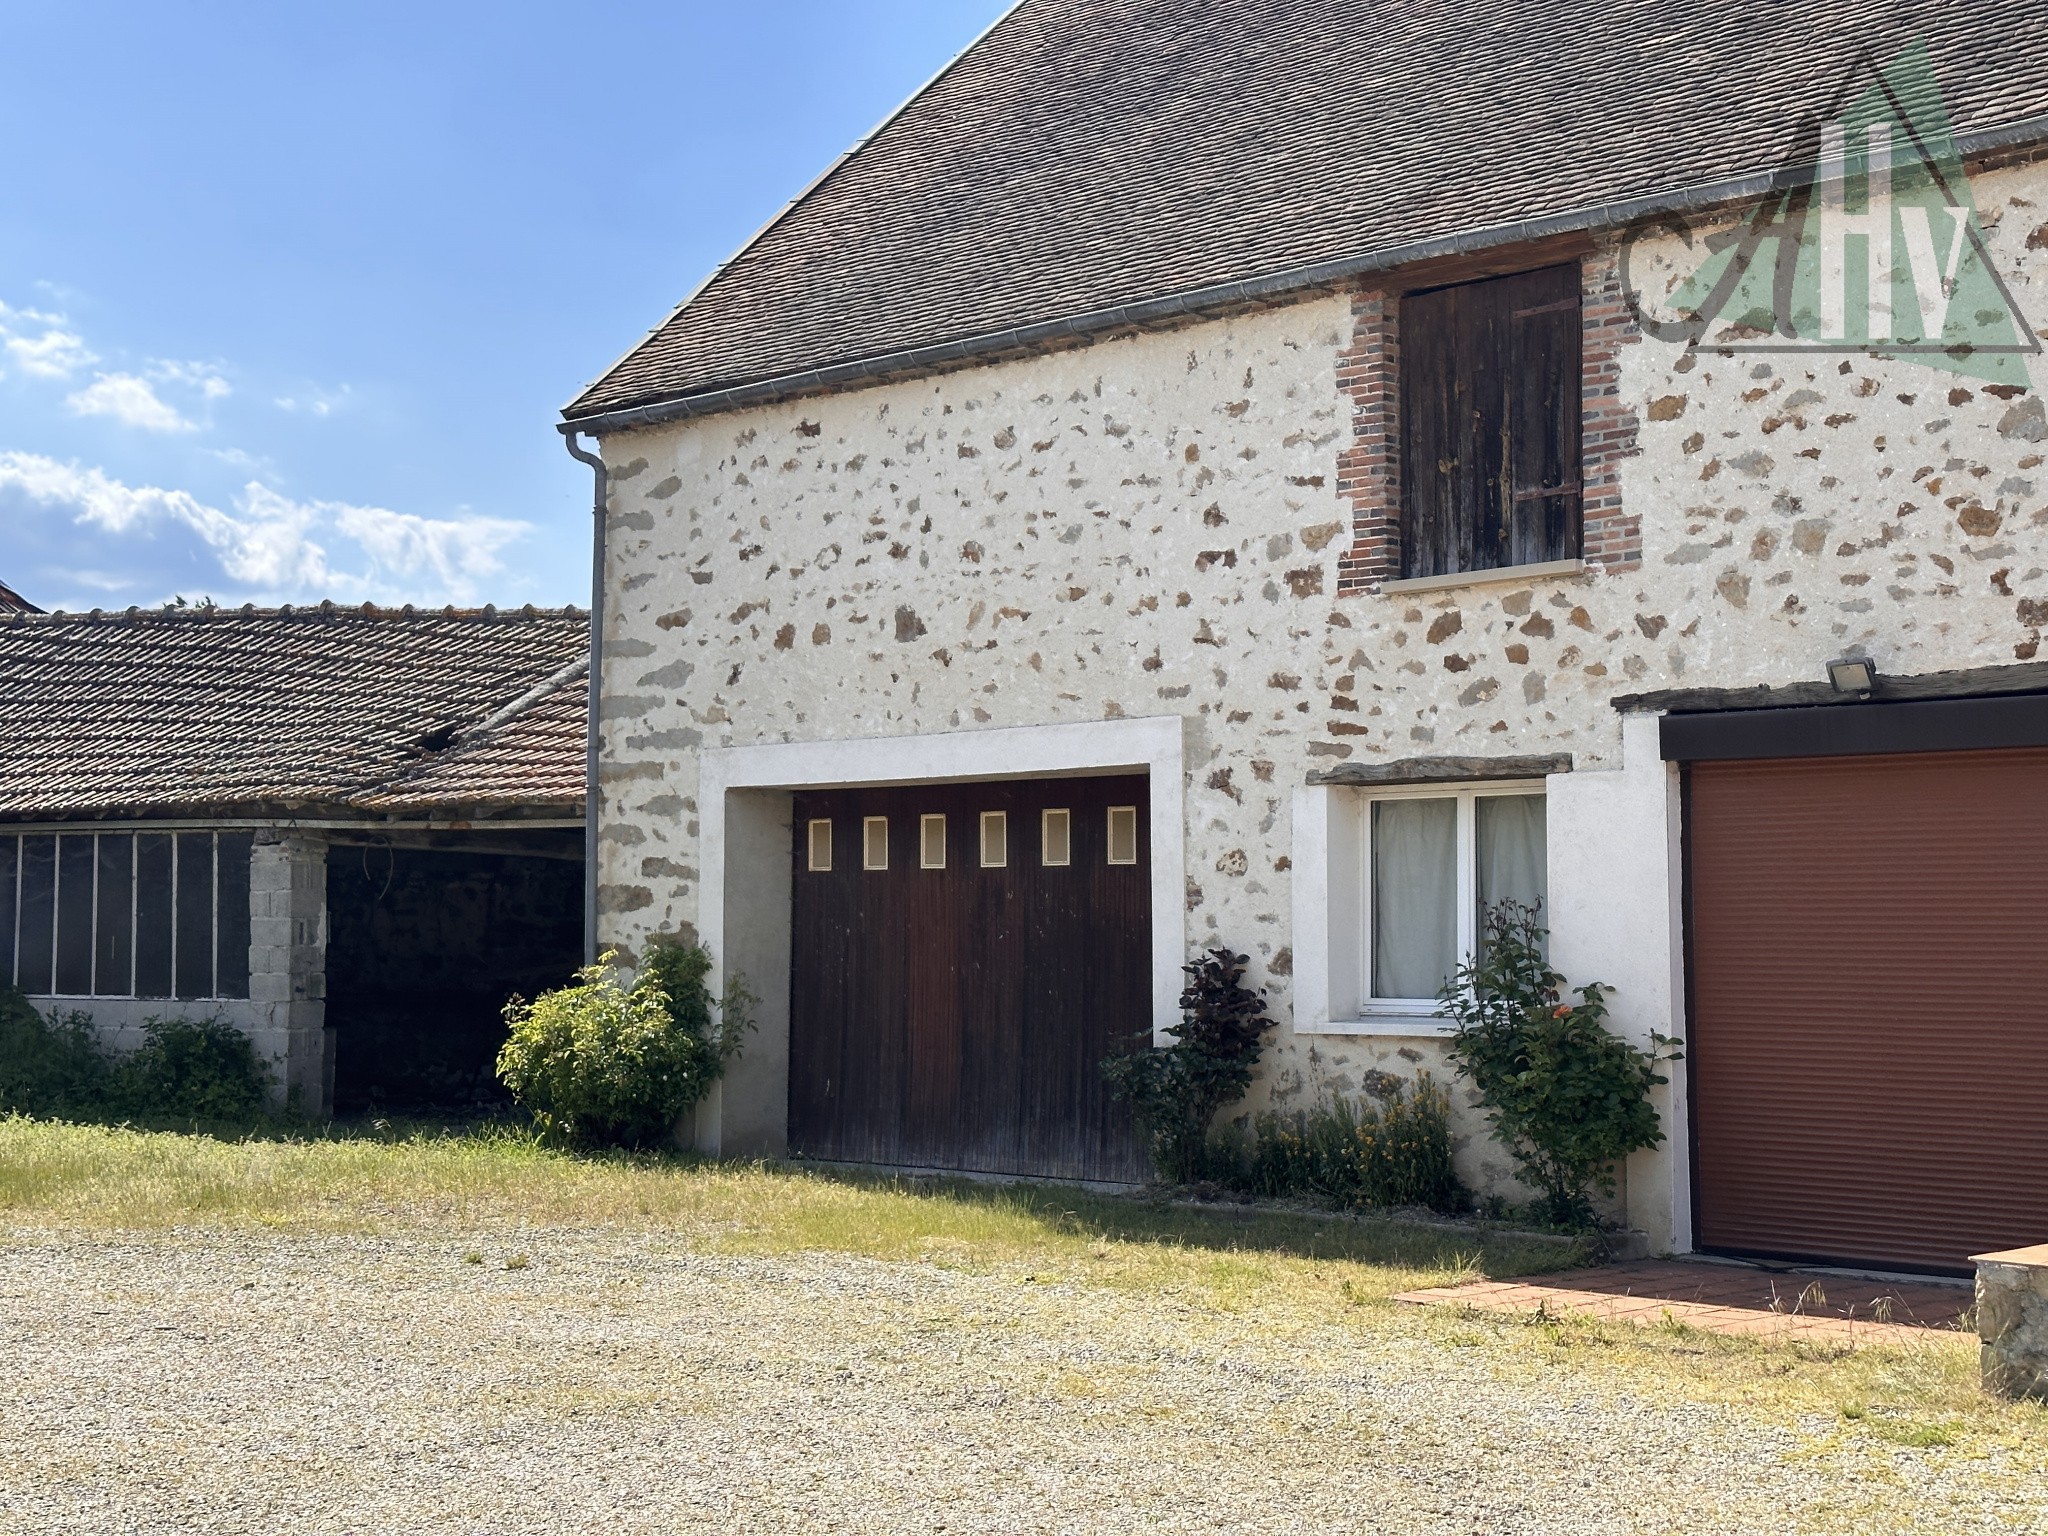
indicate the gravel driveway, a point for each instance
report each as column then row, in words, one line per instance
column 620, row 1383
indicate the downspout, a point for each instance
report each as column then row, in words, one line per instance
column 590, row 789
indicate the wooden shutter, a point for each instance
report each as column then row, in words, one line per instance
column 1490, row 423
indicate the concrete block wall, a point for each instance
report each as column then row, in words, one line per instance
column 288, row 963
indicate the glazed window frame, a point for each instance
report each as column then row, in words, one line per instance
column 999, row 823
column 1465, row 905
column 162, row 914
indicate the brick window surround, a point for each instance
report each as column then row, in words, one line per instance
column 1369, row 468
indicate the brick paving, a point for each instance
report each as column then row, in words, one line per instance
column 1737, row 1299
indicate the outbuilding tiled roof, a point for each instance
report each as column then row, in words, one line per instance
column 12, row 601
column 326, row 711
column 1088, row 155
column 533, row 755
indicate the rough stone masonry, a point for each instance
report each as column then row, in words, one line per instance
column 1173, row 524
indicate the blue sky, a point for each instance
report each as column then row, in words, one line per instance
column 290, row 295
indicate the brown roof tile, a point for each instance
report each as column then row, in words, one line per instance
column 1092, row 154
column 244, row 710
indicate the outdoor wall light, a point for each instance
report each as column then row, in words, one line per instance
column 1853, row 674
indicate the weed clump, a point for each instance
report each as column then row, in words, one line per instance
column 1356, row 1154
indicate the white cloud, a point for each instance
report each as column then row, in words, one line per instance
column 98, row 581
column 130, row 400
column 459, row 551
column 53, row 355
column 37, row 343
column 277, row 548
column 203, row 377
column 99, row 499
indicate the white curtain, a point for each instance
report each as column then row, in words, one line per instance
column 1414, row 896
column 1511, row 853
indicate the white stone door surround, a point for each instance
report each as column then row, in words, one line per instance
column 743, row 912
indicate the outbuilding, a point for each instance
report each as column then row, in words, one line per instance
column 352, row 832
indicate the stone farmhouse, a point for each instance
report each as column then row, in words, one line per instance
column 352, row 833
column 1253, row 475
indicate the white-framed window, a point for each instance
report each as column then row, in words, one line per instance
column 1056, row 838
column 1123, row 834
column 931, row 841
column 818, row 846
column 874, row 842
column 1433, row 859
column 995, row 839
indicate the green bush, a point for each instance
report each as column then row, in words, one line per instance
column 51, row 1067
column 1175, row 1091
column 1567, row 1097
column 1358, row 1154
column 605, row 1063
column 191, row 1069
column 185, row 1069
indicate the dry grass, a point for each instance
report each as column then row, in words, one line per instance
column 91, row 1176
column 1281, row 1272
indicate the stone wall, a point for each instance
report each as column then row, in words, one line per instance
column 1154, row 525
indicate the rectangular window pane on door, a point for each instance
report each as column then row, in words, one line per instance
column 819, row 849
column 114, row 933
column 1511, row 853
column 1123, row 834
column 232, row 968
column 153, row 914
column 995, row 839
column 74, row 916
column 931, row 842
column 1056, row 837
column 10, row 874
column 195, row 915
column 1414, row 896
column 38, row 913
column 874, row 842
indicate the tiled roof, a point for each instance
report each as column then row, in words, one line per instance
column 534, row 756
column 326, row 711
column 1092, row 154
column 12, row 601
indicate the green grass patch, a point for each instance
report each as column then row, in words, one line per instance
column 383, row 1176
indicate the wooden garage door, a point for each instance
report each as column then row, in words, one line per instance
column 957, row 1017
column 1869, row 1039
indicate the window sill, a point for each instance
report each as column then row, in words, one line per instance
column 1545, row 570
column 1390, row 1025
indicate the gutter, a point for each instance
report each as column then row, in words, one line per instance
column 1167, row 310
column 598, row 497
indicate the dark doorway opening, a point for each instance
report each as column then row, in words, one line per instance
column 425, row 945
